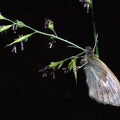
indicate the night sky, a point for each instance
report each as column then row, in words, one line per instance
column 25, row 94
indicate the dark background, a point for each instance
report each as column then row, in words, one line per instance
column 25, row 94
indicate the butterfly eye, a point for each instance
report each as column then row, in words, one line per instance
column 83, row 61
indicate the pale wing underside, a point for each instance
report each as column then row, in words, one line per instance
column 103, row 85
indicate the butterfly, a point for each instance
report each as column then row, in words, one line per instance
column 103, row 85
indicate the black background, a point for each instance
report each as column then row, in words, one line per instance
column 25, row 94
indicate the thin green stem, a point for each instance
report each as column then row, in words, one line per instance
column 94, row 27
column 69, row 42
column 54, row 32
column 55, row 36
column 75, row 56
column 9, row 20
column 47, row 34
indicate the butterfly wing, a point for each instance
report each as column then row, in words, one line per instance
column 103, row 85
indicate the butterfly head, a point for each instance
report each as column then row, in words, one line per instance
column 88, row 54
column 88, row 50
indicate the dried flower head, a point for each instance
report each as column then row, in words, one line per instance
column 14, row 28
column 49, row 24
column 65, row 70
column 51, row 43
column 14, row 49
column 86, row 4
column 45, row 71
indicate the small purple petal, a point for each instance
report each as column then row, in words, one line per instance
column 26, row 40
column 66, row 70
column 22, row 46
column 86, row 4
column 45, row 71
column 14, row 28
column 47, row 22
column 14, row 49
column 51, row 43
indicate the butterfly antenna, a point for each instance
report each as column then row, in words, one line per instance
column 96, row 41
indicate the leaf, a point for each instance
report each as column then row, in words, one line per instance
column 56, row 65
column 20, row 39
column 72, row 66
column 4, row 28
column 1, row 17
column 20, row 24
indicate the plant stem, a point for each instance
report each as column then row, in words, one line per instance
column 75, row 56
column 47, row 34
column 94, row 28
column 54, row 32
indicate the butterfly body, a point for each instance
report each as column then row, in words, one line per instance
column 103, row 85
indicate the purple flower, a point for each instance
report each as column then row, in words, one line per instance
column 86, row 4
column 49, row 24
column 65, row 70
column 45, row 71
column 51, row 43
column 14, row 49
column 15, row 27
